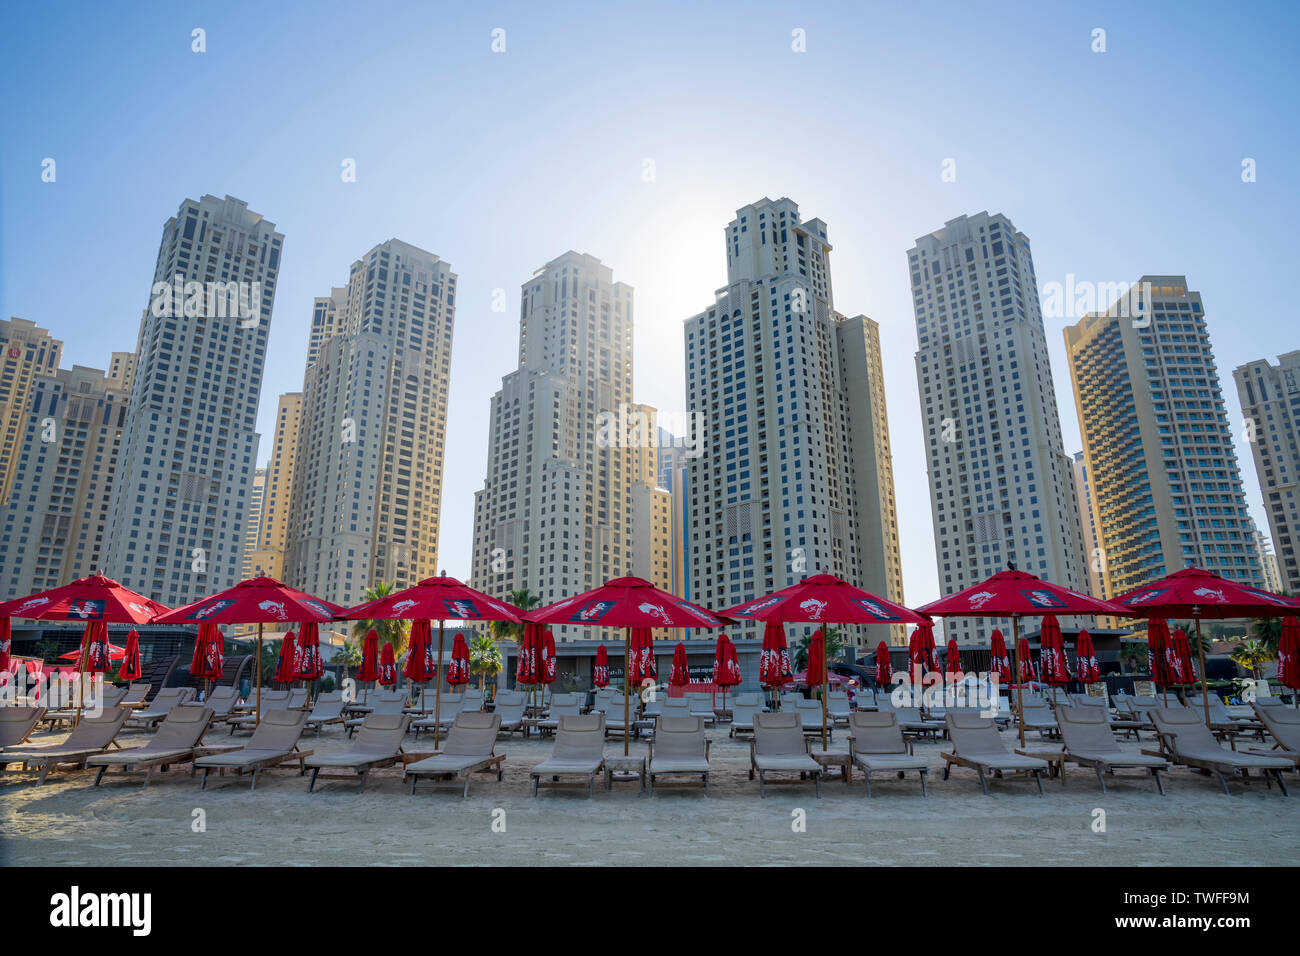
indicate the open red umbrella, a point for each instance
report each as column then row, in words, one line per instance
column 999, row 662
column 825, row 599
column 679, row 676
column 1085, row 659
column 387, row 666
column 600, row 670
column 1179, row 657
column 816, row 674
column 774, row 670
column 132, row 667
column 1195, row 593
column 420, row 667
column 458, row 666
column 1288, row 658
column 286, row 670
column 115, row 653
column 884, row 666
column 627, row 602
column 1015, row 594
column 952, row 659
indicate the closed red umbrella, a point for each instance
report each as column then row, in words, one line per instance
column 526, row 671
column 6, row 638
column 679, row 676
column 286, row 671
column 1051, row 655
column 644, row 666
column 921, row 657
column 310, row 665
column 387, row 666
column 884, row 666
column 1085, row 659
column 600, row 670
column 1158, row 641
column 999, row 662
column 420, row 667
column 547, row 667
column 816, row 674
column 207, row 661
column 719, row 657
column 726, row 666
column 95, row 659
column 952, row 660
column 132, row 667
column 369, row 669
column 1288, row 657
column 1027, row 670
column 1179, row 656
column 774, row 670
column 458, row 666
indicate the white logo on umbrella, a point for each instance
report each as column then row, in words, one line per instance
column 655, row 611
column 34, row 602
column 1210, row 593
column 403, row 605
column 980, row 598
column 813, row 608
column 276, row 608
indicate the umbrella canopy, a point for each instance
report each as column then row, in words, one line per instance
column 458, row 667
column 1158, row 641
column 644, row 666
column 132, row 667
column 1051, row 654
column 369, row 669
column 1199, row 594
column 526, row 671
column 387, row 667
column 774, row 668
column 600, row 671
column 115, row 653
column 679, row 676
column 1027, row 670
column 1181, row 670
column 823, row 598
column 546, row 660
column 93, row 598
column 260, row 600
column 1017, row 594
column 1288, row 654
column 626, row 602
column 310, row 665
column 436, row 599
column 952, row 660
column 884, row 666
column 420, row 665
column 1085, row 659
column 999, row 661
column 207, row 661
column 286, row 671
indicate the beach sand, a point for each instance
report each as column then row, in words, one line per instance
column 68, row 822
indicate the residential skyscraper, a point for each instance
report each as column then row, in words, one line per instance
column 570, row 498
column 52, row 531
column 1001, row 486
column 256, row 497
column 189, row 447
column 272, row 538
column 1166, row 489
column 673, row 469
column 1270, row 404
column 1091, row 544
column 791, row 474
column 367, row 480
column 27, row 352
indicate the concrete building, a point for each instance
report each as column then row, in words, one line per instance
column 189, row 447
column 673, row 468
column 1267, row 560
column 793, row 474
column 256, row 498
column 52, row 530
column 267, row 555
column 571, row 497
column 1270, row 405
column 1166, row 489
column 367, row 476
column 1001, row 485
column 27, row 352
column 1091, row 543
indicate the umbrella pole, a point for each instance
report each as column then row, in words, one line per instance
column 437, row 688
column 81, row 665
column 1020, row 681
column 259, row 672
column 627, row 674
column 1200, row 653
column 825, row 678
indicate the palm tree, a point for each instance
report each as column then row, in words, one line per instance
column 389, row 631
column 521, row 599
column 349, row 655
column 834, row 647
column 1267, row 631
column 484, row 658
column 1133, row 656
column 1252, row 655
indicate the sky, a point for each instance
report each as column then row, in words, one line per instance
column 633, row 132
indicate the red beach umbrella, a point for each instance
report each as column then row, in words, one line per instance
column 999, row 662
column 600, row 670
column 420, row 667
column 1288, row 657
column 115, row 653
column 816, row 674
column 884, row 666
column 547, row 668
column 719, row 657
column 1179, row 656
column 823, row 598
column 458, row 667
column 387, row 667
column 1027, row 670
column 526, row 671
column 774, row 670
column 286, row 671
column 952, row 660
column 728, row 675
column 6, row 639
column 679, row 676
column 1158, row 642
column 1051, row 656
column 310, row 665
column 369, row 669
column 1085, row 658
column 207, row 661
column 132, row 666
column 644, row 666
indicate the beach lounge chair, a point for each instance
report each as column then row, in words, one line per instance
column 1089, row 742
column 1038, row 716
column 838, row 708
column 1283, row 725
column 913, row 724
column 271, row 700
column 679, row 747
column 654, row 708
column 379, row 744
column 448, row 706
column 810, row 716
column 1224, row 724
column 1266, row 700
column 177, row 736
column 221, row 702
column 470, row 747
column 274, row 742
column 1188, row 741
column 742, row 718
column 876, row 745
column 701, row 705
column 135, row 694
column 790, row 700
column 100, row 695
column 579, row 750
column 976, row 745
column 327, row 710
column 471, row 700
column 388, row 706
column 675, row 707
column 160, row 707
column 779, row 746
column 512, row 716
column 17, row 724
column 747, row 698
column 95, row 734
column 551, row 722
column 614, row 717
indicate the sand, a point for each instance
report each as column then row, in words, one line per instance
column 68, row 822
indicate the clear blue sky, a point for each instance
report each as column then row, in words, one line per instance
column 1114, row 164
